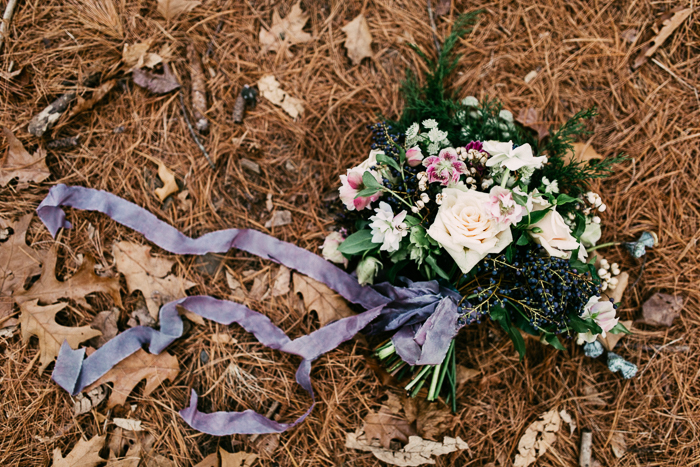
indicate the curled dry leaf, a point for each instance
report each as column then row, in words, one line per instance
column 285, row 32
column 270, row 90
column 150, row 275
column 128, row 373
column 669, row 25
column 19, row 164
column 359, row 40
column 40, row 321
column 48, row 289
column 566, row 417
column 661, row 309
column 106, row 323
column 237, row 459
column 84, row 454
column 128, row 424
column 83, row 403
column 318, row 297
column 279, row 218
column 538, row 437
column 171, row 9
column 138, row 56
column 418, row 451
column 131, row 459
column 212, row 460
column 238, row 291
column 156, row 83
column 386, row 426
column 281, row 284
column 168, row 178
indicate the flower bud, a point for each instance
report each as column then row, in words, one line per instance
column 414, row 156
column 367, row 270
column 329, row 249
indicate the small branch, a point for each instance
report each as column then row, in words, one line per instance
column 434, row 28
column 194, row 134
column 584, row 458
column 7, row 19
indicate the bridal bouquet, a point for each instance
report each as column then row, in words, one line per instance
column 457, row 192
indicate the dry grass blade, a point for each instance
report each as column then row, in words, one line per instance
column 100, row 15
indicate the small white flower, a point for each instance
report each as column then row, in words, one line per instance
column 486, row 183
column 438, row 198
column 550, row 187
column 470, row 101
column 604, row 262
column 506, row 115
column 388, row 229
column 420, row 204
column 422, row 186
column 433, row 148
column 602, row 208
column 436, row 135
column 412, row 131
column 504, row 155
column 421, row 176
column 430, row 123
column 415, row 209
column 596, row 220
column 470, row 180
column 425, row 197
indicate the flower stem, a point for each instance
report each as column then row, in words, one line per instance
column 397, row 196
column 504, row 180
column 434, row 382
column 602, row 245
column 418, row 377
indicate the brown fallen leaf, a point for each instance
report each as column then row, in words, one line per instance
column 150, row 275
column 359, row 40
column 154, row 82
column 237, row 459
column 530, row 118
column 418, row 451
column 238, row 291
column 618, row 445
column 86, row 104
column 668, row 27
column 285, row 32
column 328, row 305
column 270, row 90
column 18, row 261
column 661, row 309
column 128, row 373
column 610, row 340
column 48, row 289
column 168, row 178
column 582, row 152
column 40, row 321
column 279, row 219
column 464, row 374
column 84, row 454
column 19, row 164
column 260, row 288
column 159, row 461
column 539, row 436
column 212, row 460
column 280, row 286
column 131, row 459
column 138, row 56
column 171, row 9
column 443, row 7
column 106, row 323
column 432, row 419
column 83, row 403
column 386, row 426
column 128, row 424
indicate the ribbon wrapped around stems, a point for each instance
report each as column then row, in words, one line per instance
column 388, row 308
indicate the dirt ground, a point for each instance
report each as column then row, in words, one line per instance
column 581, row 51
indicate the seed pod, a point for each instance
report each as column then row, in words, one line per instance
column 199, row 89
column 247, row 97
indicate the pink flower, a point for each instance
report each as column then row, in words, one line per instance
column 503, row 207
column 445, row 167
column 351, row 185
column 414, row 156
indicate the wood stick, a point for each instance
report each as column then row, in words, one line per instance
column 7, row 19
column 584, row 458
column 194, row 135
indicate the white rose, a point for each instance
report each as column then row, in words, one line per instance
column 465, row 229
column 554, row 235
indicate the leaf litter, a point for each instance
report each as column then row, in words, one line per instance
column 328, row 305
column 358, row 40
column 285, row 32
column 19, row 164
column 539, row 436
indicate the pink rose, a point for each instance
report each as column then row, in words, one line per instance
column 445, row 167
column 503, row 207
column 414, row 156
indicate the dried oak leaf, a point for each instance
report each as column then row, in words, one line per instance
column 19, row 164
column 40, row 321
column 237, row 459
column 270, row 90
column 156, row 83
column 84, row 454
column 418, row 451
column 432, row 418
column 386, row 426
column 538, row 437
column 106, row 323
column 131, row 459
column 285, row 32
column 328, row 305
column 138, row 56
column 212, row 460
column 661, row 309
column 18, row 261
column 136, row 367
column 168, row 178
column 359, row 40
column 48, row 289
column 149, row 275
column 530, row 118
column 280, row 285
column 171, row 9
column 582, row 152
column 669, row 25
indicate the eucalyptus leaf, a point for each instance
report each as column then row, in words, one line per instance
column 369, row 181
column 384, row 159
column 564, row 199
column 553, row 340
column 620, row 328
column 432, row 262
column 357, row 243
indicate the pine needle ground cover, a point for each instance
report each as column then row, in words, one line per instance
column 574, row 56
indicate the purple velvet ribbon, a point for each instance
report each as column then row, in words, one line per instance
column 390, row 308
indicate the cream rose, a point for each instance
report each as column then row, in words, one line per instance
column 554, row 235
column 465, row 229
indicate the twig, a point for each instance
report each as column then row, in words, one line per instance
column 7, row 19
column 432, row 25
column 194, row 135
column 678, row 78
column 584, row 458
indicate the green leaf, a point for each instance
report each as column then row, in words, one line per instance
column 520, row 199
column 620, row 328
column 384, row 159
column 562, row 198
column 523, row 240
column 367, row 192
column 518, row 341
column 402, row 155
column 432, row 262
column 509, row 253
column 357, row 243
column 499, row 314
column 419, row 237
column 394, row 270
column 580, row 225
column 369, row 181
column 412, row 220
column 532, row 218
column 579, row 324
column 553, row 340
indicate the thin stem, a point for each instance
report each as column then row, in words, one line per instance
column 603, row 245
column 397, row 196
column 420, row 374
column 504, row 180
column 434, row 381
